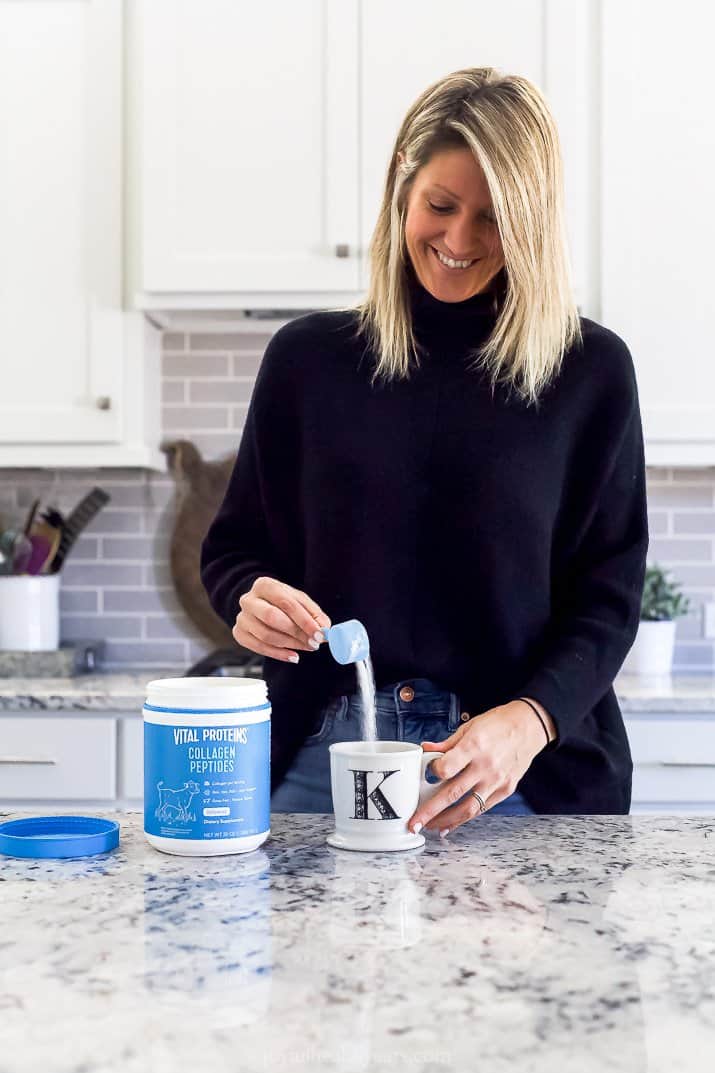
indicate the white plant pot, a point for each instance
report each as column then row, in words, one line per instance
column 652, row 651
column 30, row 613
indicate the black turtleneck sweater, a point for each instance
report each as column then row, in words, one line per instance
column 494, row 548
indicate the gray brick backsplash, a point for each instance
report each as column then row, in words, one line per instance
column 115, row 521
column 83, row 575
column 695, row 522
column 220, row 391
column 173, row 391
column 692, row 657
column 246, row 364
column 117, row 584
column 154, row 493
column 100, row 628
column 37, row 487
column 694, row 575
column 161, row 628
column 74, row 600
column 183, row 418
column 657, row 522
column 173, row 341
column 233, row 341
column 238, row 415
column 141, row 600
column 681, row 550
column 86, row 547
column 198, row 649
column 705, row 475
column 655, row 473
column 8, row 500
column 171, row 654
column 690, row 627
column 680, row 495
column 141, row 548
column 157, row 575
column 184, row 365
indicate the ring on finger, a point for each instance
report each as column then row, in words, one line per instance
column 480, row 799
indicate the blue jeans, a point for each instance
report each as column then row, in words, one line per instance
column 430, row 714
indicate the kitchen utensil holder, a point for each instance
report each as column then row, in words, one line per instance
column 30, row 613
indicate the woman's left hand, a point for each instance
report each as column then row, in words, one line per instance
column 488, row 754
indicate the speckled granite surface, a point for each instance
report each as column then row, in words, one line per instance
column 70, row 659
column 520, row 944
column 126, row 692
column 105, row 691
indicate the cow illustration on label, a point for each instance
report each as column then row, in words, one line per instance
column 174, row 804
column 376, row 795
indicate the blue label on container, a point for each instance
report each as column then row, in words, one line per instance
column 205, row 782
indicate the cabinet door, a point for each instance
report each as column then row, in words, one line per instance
column 548, row 43
column 673, row 761
column 658, row 230
column 57, row 757
column 60, row 255
column 246, row 154
column 131, row 758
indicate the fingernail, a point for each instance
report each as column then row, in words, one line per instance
column 294, row 658
column 417, row 828
column 319, row 637
column 444, row 832
column 313, row 644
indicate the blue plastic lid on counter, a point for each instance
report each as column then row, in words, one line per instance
column 58, row 836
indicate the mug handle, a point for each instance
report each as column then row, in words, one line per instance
column 427, row 789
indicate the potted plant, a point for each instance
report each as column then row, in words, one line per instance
column 661, row 604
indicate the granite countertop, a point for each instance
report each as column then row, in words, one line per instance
column 519, row 944
column 126, row 691
column 103, row 691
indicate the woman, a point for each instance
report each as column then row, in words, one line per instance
column 457, row 463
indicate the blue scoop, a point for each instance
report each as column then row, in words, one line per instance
column 348, row 641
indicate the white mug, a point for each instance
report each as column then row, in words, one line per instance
column 376, row 787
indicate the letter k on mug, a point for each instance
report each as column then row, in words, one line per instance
column 376, row 787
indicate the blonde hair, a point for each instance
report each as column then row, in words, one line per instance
column 506, row 122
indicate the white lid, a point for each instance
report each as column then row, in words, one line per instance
column 211, row 692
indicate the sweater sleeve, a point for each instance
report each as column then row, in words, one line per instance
column 598, row 600
column 237, row 548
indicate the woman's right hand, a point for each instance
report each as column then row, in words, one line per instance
column 275, row 620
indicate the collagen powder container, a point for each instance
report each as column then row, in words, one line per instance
column 207, row 782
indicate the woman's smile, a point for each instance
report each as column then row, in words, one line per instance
column 456, row 265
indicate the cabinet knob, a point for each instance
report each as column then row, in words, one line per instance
column 342, row 250
column 104, row 402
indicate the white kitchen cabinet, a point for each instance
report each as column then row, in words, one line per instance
column 70, row 760
column 261, row 135
column 549, row 43
column 131, row 758
column 80, row 377
column 673, row 761
column 57, row 757
column 244, row 152
column 658, row 141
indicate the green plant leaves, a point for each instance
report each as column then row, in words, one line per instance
column 661, row 598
